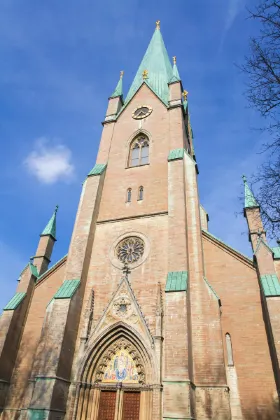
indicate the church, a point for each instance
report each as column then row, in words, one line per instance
column 149, row 316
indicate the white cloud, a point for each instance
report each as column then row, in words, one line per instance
column 50, row 163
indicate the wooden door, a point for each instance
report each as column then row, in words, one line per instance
column 107, row 405
column 131, row 406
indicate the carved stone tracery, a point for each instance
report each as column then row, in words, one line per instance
column 130, row 250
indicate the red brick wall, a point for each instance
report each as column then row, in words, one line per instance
column 43, row 293
column 236, row 283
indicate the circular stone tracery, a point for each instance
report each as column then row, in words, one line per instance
column 130, row 250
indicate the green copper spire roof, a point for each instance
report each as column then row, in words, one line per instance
column 50, row 229
column 175, row 74
column 119, row 88
column 155, row 69
column 250, row 200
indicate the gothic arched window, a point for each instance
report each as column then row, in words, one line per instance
column 141, row 193
column 128, row 195
column 139, row 151
column 229, row 350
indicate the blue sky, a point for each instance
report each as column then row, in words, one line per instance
column 60, row 61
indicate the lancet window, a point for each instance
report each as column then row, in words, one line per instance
column 139, row 151
column 229, row 350
column 141, row 193
column 128, row 195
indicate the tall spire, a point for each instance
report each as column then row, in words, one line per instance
column 119, row 88
column 175, row 73
column 157, row 64
column 250, row 200
column 50, row 229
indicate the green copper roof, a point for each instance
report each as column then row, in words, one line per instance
column 270, row 285
column 98, row 169
column 176, row 281
column 67, row 289
column 119, row 88
column 175, row 74
column 250, row 200
column 37, row 414
column 176, row 154
column 276, row 251
column 156, row 62
column 50, row 229
column 15, row 301
column 33, row 270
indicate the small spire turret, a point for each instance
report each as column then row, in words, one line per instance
column 250, row 200
column 175, row 73
column 44, row 251
column 119, row 88
column 50, row 229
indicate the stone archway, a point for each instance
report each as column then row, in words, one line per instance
column 115, row 381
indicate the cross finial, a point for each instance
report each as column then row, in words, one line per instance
column 174, row 59
column 121, row 75
column 126, row 269
column 244, row 178
column 145, row 74
column 185, row 94
column 56, row 208
column 158, row 24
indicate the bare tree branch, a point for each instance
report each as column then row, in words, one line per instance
column 262, row 67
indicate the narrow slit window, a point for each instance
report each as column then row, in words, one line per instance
column 139, row 151
column 128, row 195
column 141, row 193
column 229, row 350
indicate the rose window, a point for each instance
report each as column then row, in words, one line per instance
column 129, row 250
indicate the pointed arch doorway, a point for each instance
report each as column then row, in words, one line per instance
column 121, row 372
column 114, row 384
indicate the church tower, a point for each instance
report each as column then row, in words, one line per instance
column 148, row 316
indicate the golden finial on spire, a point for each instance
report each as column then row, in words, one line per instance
column 121, row 75
column 158, row 24
column 174, row 59
column 145, row 74
column 185, row 94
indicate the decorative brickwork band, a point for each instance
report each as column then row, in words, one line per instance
column 67, row 290
column 98, row 169
column 15, row 301
column 177, row 281
column 176, row 154
column 270, row 285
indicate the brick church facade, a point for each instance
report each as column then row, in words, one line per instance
column 149, row 316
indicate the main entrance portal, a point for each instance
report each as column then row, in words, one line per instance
column 114, row 385
column 121, row 405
